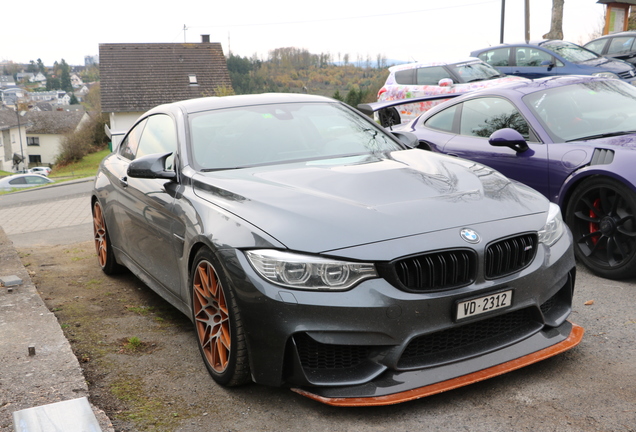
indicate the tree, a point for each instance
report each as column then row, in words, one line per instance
column 556, row 24
column 65, row 76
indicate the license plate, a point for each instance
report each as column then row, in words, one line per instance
column 469, row 308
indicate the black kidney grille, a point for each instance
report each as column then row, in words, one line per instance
column 510, row 255
column 316, row 355
column 429, row 348
column 435, row 271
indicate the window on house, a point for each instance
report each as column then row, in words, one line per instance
column 33, row 141
column 35, row 159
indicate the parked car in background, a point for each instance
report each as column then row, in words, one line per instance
column 616, row 45
column 23, row 181
column 553, row 57
column 572, row 138
column 313, row 249
column 437, row 78
column 45, row 171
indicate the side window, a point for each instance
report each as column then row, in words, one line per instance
column 527, row 56
column 497, row 57
column 128, row 147
column 159, row 136
column 620, row 45
column 443, row 120
column 431, row 75
column 481, row 117
column 18, row 181
column 596, row 46
column 405, row 77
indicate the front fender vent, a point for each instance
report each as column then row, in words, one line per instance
column 602, row 157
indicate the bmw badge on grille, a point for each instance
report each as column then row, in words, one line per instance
column 469, row 235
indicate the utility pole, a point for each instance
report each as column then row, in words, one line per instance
column 503, row 18
column 527, row 3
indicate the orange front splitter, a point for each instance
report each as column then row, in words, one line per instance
column 573, row 340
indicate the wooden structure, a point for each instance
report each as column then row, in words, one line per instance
column 616, row 15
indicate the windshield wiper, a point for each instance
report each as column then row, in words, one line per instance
column 603, row 135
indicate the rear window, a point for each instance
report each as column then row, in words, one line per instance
column 621, row 45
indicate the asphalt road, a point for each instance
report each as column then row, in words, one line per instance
column 590, row 388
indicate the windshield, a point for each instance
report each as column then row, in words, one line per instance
column 569, row 51
column 278, row 133
column 586, row 110
column 475, row 71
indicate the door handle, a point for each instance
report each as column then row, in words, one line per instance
column 123, row 181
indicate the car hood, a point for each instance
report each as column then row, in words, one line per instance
column 318, row 206
column 606, row 64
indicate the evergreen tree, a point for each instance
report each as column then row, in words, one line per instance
column 65, row 76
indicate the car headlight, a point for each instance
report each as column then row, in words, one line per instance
column 606, row 75
column 308, row 272
column 553, row 228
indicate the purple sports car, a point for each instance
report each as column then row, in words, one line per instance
column 572, row 138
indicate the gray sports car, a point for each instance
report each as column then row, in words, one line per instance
column 315, row 250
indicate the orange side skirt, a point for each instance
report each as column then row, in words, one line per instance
column 573, row 339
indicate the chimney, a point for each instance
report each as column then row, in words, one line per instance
column 205, row 38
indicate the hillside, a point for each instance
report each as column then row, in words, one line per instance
column 293, row 70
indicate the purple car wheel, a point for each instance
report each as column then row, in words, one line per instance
column 218, row 325
column 601, row 215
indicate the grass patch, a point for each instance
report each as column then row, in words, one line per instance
column 147, row 412
column 87, row 167
column 133, row 344
column 140, row 310
column 93, row 283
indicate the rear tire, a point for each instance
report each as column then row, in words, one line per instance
column 217, row 320
column 103, row 246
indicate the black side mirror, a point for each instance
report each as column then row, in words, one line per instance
column 389, row 117
column 407, row 138
column 151, row 166
column 508, row 138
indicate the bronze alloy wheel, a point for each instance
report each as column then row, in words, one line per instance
column 218, row 324
column 99, row 231
column 212, row 317
column 103, row 246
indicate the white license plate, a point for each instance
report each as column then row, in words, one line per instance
column 484, row 304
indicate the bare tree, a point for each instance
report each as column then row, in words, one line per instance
column 556, row 24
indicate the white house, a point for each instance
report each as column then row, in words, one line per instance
column 45, row 131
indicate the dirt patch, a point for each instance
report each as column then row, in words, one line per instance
column 116, row 327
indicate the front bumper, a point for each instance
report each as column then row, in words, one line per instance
column 377, row 344
column 397, row 388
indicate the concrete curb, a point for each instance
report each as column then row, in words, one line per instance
column 37, row 364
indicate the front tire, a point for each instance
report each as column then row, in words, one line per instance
column 217, row 321
column 601, row 215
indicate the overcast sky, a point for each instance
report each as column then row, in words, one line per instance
column 422, row 30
